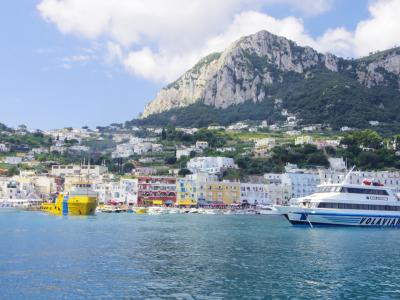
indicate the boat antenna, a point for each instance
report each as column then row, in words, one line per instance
column 348, row 175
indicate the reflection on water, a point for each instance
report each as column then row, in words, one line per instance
column 192, row 257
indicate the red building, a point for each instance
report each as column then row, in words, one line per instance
column 153, row 189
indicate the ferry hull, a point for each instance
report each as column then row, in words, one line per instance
column 342, row 219
column 72, row 206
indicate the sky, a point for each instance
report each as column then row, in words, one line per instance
column 96, row 62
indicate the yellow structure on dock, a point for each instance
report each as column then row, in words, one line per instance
column 80, row 201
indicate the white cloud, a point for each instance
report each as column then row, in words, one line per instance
column 338, row 41
column 249, row 22
column 382, row 30
column 160, row 39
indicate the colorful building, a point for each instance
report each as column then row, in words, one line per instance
column 158, row 190
column 185, row 192
column 227, row 192
column 193, row 188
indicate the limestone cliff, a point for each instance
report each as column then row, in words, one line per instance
column 243, row 70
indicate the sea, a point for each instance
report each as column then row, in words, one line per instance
column 188, row 256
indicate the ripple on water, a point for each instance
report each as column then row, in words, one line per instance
column 192, row 257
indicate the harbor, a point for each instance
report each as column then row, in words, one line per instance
column 182, row 256
column 200, row 150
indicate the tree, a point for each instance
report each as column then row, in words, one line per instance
column 128, row 167
column 369, row 139
column 12, row 171
column 318, row 159
column 163, row 134
column 330, row 150
column 184, row 172
column 369, row 160
column 170, row 160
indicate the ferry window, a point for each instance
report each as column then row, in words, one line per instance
column 359, row 206
column 364, row 191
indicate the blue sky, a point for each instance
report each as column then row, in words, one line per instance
column 58, row 70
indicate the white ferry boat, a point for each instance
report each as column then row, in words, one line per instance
column 366, row 204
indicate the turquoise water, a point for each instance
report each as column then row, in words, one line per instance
column 127, row 256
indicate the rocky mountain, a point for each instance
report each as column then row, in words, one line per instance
column 260, row 75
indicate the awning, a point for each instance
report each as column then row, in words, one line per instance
column 186, row 202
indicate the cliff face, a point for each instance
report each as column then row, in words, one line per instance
column 244, row 71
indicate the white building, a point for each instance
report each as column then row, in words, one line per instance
column 390, row 179
column 301, row 184
column 12, row 189
column 142, row 148
column 201, row 145
column 39, row 150
column 225, row 149
column 304, row 139
column 211, row 165
column 184, row 152
column 263, row 146
column 277, row 191
column 13, row 160
column 373, row 123
column 321, row 144
column 4, row 148
column 187, row 130
column 216, row 127
column 157, row 147
column 238, row 126
column 337, row 163
column 80, row 148
column 283, row 187
column 254, row 193
column 77, row 170
column 124, row 191
column 121, row 137
column 123, row 151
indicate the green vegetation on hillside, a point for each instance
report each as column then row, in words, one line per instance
column 316, row 96
column 30, row 140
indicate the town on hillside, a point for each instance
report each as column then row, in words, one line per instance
column 241, row 163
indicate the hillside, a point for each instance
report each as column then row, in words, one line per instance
column 260, row 75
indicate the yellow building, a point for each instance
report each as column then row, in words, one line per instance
column 192, row 189
column 224, row 191
column 186, row 192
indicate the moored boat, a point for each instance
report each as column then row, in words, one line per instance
column 140, row 210
column 267, row 210
column 367, row 204
column 81, row 200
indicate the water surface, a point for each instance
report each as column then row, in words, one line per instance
column 127, row 256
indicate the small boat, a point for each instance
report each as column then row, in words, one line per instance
column 174, row 210
column 267, row 210
column 157, row 210
column 110, row 209
column 140, row 210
